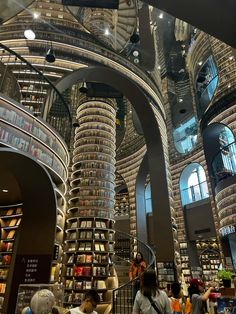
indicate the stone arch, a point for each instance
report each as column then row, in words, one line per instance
column 155, row 154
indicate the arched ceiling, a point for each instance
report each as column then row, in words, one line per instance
column 9, row 8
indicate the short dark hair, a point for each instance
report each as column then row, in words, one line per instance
column 92, row 295
column 175, row 289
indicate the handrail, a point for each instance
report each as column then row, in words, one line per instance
column 125, row 290
column 41, row 75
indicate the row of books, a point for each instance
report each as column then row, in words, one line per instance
column 3, row 273
column 6, row 246
column 87, row 235
column 85, row 284
column 12, row 223
column 84, row 271
column 87, row 246
column 89, row 224
column 88, row 258
column 11, row 211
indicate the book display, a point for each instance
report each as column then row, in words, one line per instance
column 89, row 243
column 165, row 273
column 210, row 259
column 10, row 218
column 21, row 130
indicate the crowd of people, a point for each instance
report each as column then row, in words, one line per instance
column 149, row 299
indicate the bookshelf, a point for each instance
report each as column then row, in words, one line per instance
column 88, row 257
column 89, row 240
column 10, row 218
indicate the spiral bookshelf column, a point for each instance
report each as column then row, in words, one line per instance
column 90, row 235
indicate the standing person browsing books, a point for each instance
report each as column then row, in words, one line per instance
column 149, row 299
column 88, row 305
column 137, row 266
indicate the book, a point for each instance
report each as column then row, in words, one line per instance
column 103, row 224
column 11, row 234
column 89, row 258
column 102, row 247
column 9, row 212
column 89, row 224
column 83, row 224
column 12, row 223
column 98, row 224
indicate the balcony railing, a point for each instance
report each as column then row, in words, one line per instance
column 224, row 163
column 194, row 193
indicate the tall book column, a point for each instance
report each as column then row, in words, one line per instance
column 90, row 218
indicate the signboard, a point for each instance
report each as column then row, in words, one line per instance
column 227, row 230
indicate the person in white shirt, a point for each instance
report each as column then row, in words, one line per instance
column 149, row 299
column 88, row 305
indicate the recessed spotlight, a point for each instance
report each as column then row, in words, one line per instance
column 36, row 15
column 5, row 191
column 161, row 16
column 200, row 63
column 135, row 53
column 231, row 58
column 180, row 99
column 159, row 67
column 136, row 60
column 29, row 34
column 229, row 85
column 106, row 32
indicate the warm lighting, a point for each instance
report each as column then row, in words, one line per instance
column 161, row 16
column 29, row 34
column 159, row 67
column 5, row 191
column 200, row 63
column 229, row 85
column 231, row 58
column 106, row 32
column 36, row 15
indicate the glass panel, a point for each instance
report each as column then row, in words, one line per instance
column 185, row 136
column 206, row 83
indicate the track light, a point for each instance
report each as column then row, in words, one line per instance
column 50, row 55
column 134, row 38
column 83, row 88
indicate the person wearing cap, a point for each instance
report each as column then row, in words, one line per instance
column 198, row 297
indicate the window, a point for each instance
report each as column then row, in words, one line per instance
column 148, row 199
column 185, row 136
column 193, row 185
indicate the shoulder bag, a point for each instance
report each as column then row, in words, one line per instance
column 154, row 305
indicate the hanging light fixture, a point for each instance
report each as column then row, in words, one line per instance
column 50, row 55
column 29, row 34
column 83, row 88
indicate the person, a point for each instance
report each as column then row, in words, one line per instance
column 149, row 296
column 137, row 266
column 176, row 301
column 198, row 297
column 91, row 299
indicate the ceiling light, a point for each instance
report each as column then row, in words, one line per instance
column 135, row 53
column 106, row 32
column 181, row 100
column 231, row 58
column 161, row 16
column 136, row 60
column 50, row 56
column 36, row 15
column 200, row 63
column 159, row 67
column 29, row 34
column 229, row 85
column 5, row 191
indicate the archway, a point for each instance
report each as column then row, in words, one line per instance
column 36, row 233
column 155, row 154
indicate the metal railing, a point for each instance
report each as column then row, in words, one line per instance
column 194, row 193
column 126, row 247
column 23, row 82
column 224, row 163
